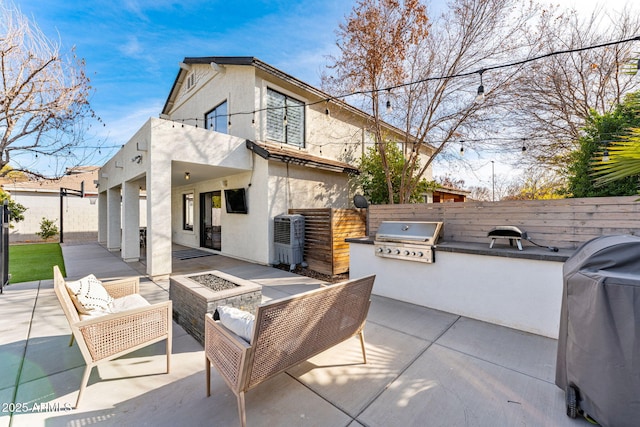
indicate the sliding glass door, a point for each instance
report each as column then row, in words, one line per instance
column 210, row 227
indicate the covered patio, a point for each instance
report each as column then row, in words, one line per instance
column 426, row 367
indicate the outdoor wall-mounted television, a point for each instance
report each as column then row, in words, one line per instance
column 236, row 201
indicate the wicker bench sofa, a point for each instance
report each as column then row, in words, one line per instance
column 287, row 332
column 104, row 337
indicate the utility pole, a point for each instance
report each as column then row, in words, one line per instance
column 64, row 192
column 493, row 182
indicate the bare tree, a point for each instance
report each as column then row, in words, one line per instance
column 44, row 97
column 554, row 96
column 374, row 43
column 443, row 64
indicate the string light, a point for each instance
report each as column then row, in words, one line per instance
column 389, row 108
column 480, row 96
column 446, row 77
column 461, row 148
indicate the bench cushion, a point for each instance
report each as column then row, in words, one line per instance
column 88, row 294
column 238, row 321
column 127, row 302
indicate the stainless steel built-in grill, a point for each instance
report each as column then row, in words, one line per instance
column 407, row 240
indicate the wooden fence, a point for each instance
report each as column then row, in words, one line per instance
column 564, row 223
column 325, row 231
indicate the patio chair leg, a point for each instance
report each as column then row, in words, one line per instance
column 364, row 353
column 168, row 353
column 207, row 369
column 71, row 340
column 83, row 385
column 241, row 411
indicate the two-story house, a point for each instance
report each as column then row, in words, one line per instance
column 237, row 143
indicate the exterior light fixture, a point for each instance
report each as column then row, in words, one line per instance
column 187, row 176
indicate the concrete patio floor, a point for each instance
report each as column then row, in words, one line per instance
column 426, row 367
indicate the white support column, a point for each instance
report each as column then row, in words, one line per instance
column 113, row 219
column 102, row 217
column 131, row 222
column 159, row 231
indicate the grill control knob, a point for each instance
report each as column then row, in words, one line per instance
column 388, row 251
column 379, row 250
column 406, row 253
column 413, row 254
column 397, row 251
column 420, row 254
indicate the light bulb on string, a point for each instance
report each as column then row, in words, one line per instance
column 480, row 96
column 389, row 107
column 461, row 148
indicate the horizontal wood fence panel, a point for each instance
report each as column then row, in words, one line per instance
column 565, row 223
column 325, row 249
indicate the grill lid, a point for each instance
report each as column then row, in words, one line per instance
column 409, row 231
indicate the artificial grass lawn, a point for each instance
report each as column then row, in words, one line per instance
column 28, row 263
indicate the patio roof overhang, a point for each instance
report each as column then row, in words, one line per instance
column 269, row 152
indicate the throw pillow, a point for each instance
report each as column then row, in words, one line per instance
column 238, row 321
column 88, row 295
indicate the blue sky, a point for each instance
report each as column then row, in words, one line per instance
column 132, row 48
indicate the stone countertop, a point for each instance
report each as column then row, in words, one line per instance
column 501, row 249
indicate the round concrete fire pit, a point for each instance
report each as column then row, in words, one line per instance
column 194, row 295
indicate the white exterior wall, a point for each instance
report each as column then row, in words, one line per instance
column 239, row 231
column 211, row 90
column 80, row 216
column 518, row 293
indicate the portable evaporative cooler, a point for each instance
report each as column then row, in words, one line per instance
column 288, row 236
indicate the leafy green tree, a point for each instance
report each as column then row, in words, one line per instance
column 16, row 210
column 373, row 178
column 600, row 131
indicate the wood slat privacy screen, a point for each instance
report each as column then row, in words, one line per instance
column 325, row 231
column 565, row 223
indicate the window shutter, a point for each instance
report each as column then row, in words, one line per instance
column 275, row 116
column 295, row 122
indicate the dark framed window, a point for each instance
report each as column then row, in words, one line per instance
column 217, row 118
column 187, row 211
column 285, row 119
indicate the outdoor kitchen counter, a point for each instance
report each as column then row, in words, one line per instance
column 501, row 285
column 500, row 249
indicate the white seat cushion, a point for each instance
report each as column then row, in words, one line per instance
column 127, row 302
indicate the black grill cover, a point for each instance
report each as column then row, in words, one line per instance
column 599, row 340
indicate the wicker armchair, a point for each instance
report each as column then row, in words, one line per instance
column 108, row 337
column 287, row 332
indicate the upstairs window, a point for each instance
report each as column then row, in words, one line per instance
column 285, row 119
column 217, row 119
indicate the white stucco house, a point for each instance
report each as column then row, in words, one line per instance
column 237, row 143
